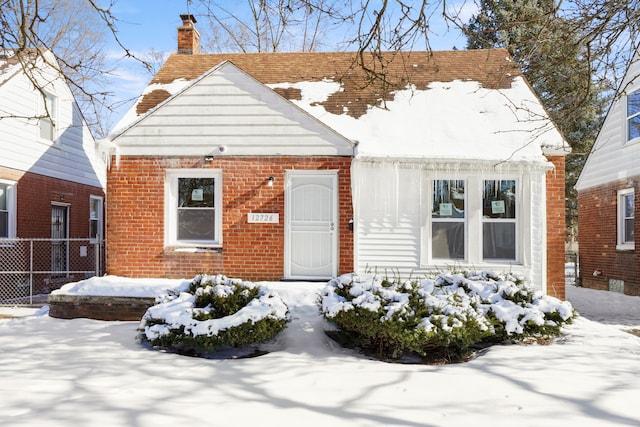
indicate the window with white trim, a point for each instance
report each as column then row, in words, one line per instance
column 7, row 209
column 95, row 217
column 49, row 117
column 448, row 219
column 499, row 220
column 633, row 115
column 193, row 207
column 474, row 220
column 626, row 216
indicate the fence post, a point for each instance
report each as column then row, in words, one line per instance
column 30, row 272
column 97, row 257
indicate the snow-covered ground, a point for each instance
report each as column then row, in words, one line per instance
column 84, row 372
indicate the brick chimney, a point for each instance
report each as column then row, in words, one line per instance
column 188, row 36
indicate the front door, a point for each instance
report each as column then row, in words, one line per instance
column 311, row 226
column 59, row 247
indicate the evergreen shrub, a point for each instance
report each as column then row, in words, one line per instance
column 215, row 312
column 441, row 318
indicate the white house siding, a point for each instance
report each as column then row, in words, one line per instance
column 393, row 228
column 228, row 108
column 611, row 159
column 73, row 157
column 387, row 200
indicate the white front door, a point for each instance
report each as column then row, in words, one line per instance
column 311, row 226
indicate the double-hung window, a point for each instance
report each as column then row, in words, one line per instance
column 49, row 117
column 193, row 207
column 626, row 213
column 95, row 218
column 633, row 115
column 499, row 225
column 448, row 219
column 7, row 209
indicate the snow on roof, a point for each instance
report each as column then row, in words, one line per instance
column 448, row 120
column 441, row 106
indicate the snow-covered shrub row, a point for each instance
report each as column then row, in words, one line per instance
column 211, row 313
column 443, row 317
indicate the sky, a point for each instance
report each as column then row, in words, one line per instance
column 84, row 372
column 152, row 25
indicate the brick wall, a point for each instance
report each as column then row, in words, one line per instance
column 556, row 227
column 135, row 217
column 35, row 194
column 597, row 239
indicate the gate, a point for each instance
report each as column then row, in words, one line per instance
column 30, row 268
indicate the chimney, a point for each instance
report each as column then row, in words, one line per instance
column 188, row 36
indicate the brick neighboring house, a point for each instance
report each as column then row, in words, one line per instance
column 607, row 196
column 51, row 179
column 299, row 166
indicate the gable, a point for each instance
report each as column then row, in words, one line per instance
column 72, row 156
column 447, row 106
column 227, row 111
column 611, row 157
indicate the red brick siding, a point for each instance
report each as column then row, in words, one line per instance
column 556, row 227
column 35, row 193
column 597, row 239
column 135, row 217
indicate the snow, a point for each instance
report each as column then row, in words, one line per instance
column 478, row 124
column 85, row 372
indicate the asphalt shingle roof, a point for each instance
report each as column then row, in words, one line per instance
column 493, row 69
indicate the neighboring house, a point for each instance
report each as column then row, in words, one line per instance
column 299, row 166
column 608, row 189
column 51, row 178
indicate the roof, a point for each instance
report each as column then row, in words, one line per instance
column 472, row 87
column 8, row 65
column 492, row 68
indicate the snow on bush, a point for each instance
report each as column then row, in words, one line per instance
column 444, row 316
column 213, row 312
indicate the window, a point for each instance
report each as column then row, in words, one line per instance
column 499, row 220
column 626, row 238
column 633, row 115
column 49, row 117
column 447, row 219
column 194, row 216
column 95, row 218
column 7, row 209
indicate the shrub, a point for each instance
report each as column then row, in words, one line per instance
column 443, row 317
column 214, row 312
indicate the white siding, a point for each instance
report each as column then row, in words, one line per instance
column 387, row 218
column 392, row 220
column 229, row 108
column 611, row 158
column 73, row 157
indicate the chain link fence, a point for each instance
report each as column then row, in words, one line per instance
column 31, row 268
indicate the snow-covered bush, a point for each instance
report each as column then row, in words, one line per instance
column 443, row 317
column 214, row 312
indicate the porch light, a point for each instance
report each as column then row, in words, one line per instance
column 270, row 181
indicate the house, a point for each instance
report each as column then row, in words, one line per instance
column 607, row 189
column 52, row 180
column 302, row 166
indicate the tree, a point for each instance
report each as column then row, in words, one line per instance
column 558, row 63
column 266, row 25
column 75, row 31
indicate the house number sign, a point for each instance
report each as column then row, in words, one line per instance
column 264, row 218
